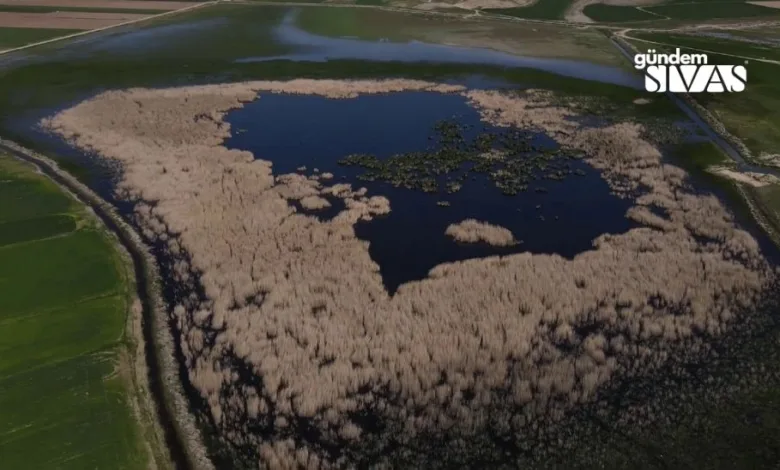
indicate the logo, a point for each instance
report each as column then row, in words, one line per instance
column 688, row 73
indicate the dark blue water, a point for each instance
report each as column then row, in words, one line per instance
column 301, row 130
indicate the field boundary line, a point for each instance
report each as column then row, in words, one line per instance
column 105, row 28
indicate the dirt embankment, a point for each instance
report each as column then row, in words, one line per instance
column 507, row 344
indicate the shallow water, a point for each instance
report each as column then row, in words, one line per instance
column 301, row 130
column 314, row 48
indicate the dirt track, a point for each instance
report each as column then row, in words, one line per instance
column 123, row 4
column 64, row 20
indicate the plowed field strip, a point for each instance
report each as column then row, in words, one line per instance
column 123, row 4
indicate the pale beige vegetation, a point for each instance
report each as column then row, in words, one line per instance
column 300, row 302
column 768, row 4
column 756, row 180
column 474, row 231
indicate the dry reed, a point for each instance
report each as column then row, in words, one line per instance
column 300, row 302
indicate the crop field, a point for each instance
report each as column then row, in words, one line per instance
column 391, row 238
column 64, row 308
column 15, row 37
column 26, row 22
column 689, row 11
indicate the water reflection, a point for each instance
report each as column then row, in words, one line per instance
column 314, row 48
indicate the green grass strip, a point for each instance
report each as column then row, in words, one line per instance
column 35, row 229
column 17, row 37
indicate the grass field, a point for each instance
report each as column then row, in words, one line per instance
column 712, row 10
column 616, row 13
column 16, row 37
column 63, row 309
column 678, row 10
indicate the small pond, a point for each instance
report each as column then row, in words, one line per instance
column 293, row 131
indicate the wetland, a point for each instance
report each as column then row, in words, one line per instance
column 362, row 256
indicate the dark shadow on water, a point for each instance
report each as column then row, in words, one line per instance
column 302, row 130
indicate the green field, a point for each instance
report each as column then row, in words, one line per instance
column 712, row 10
column 678, row 10
column 16, row 37
column 615, row 13
column 63, row 309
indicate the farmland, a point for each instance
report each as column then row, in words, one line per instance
column 65, row 383
column 26, row 22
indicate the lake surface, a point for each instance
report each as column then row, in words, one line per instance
column 300, row 130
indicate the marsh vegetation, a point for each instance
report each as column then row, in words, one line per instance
column 511, row 160
column 501, row 346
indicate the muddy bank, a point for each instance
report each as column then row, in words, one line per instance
column 501, row 345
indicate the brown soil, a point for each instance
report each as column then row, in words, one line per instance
column 300, row 302
column 118, row 4
column 64, row 20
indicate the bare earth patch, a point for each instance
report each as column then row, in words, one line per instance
column 64, row 20
column 769, row 4
column 474, row 231
column 118, row 4
column 575, row 12
column 507, row 344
